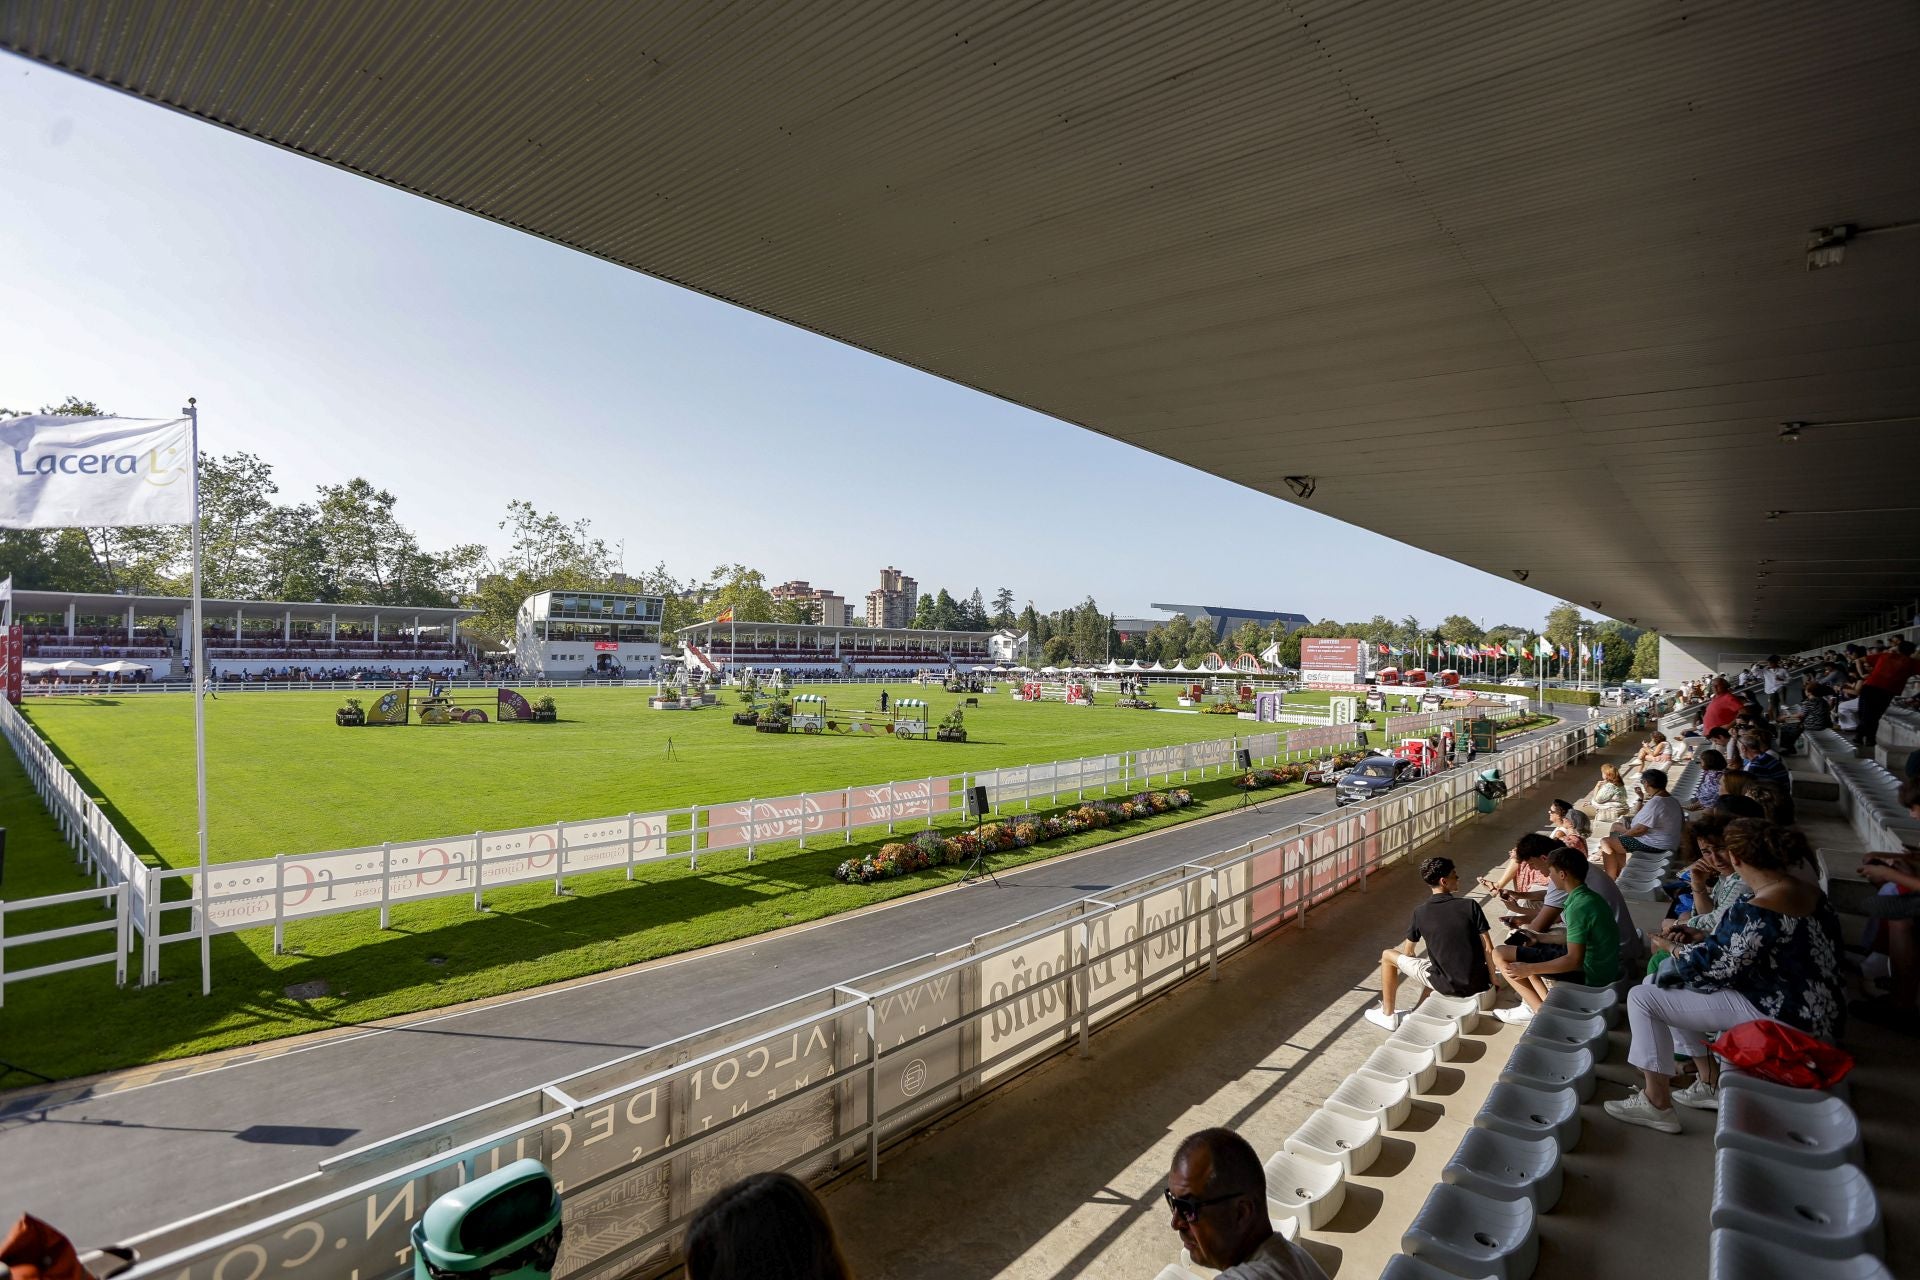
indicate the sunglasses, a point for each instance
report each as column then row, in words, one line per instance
column 1189, row 1209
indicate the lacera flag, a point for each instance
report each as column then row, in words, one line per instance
column 59, row 473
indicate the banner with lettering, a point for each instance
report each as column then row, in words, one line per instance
column 62, row 472
column 13, row 652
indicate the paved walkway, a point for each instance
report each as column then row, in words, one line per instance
column 241, row 1122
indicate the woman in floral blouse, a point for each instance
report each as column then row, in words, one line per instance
column 1607, row 802
column 1774, row 956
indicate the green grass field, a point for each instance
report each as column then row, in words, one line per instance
column 282, row 777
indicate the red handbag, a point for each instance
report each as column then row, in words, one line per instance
column 1783, row 1054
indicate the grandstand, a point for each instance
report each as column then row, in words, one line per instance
column 244, row 638
column 844, row 650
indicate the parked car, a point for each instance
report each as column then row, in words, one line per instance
column 1373, row 776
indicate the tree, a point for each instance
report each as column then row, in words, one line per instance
column 973, row 614
column 1089, row 633
column 922, row 614
column 1563, row 623
column 1460, row 629
column 946, row 612
column 1249, row 637
column 1003, row 608
column 742, row 590
column 1058, row 650
column 1646, row 656
column 1200, row 642
column 1030, row 623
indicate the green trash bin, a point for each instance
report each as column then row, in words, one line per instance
column 505, row 1226
column 1488, row 791
column 1601, row 734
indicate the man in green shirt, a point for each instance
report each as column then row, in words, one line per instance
column 1592, row 954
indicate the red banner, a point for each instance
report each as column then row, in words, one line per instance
column 605, row 646
column 13, row 652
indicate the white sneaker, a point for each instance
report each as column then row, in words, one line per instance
column 1381, row 1018
column 1518, row 1016
column 1635, row 1109
column 1699, row 1095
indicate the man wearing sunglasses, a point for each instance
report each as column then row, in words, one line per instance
column 1218, row 1194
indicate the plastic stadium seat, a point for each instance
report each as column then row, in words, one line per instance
column 1474, row 1235
column 1527, row 1112
column 1588, row 1002
column 1402, row 1267
column 1464, row 1010
column 1403, row 1062
column 1539, row 1067
column 1428, row 1031
column 1832, row 1213
column 1735, row 1078
column 1336, row 1139
column 1488, row 999
column 1174, row 1271
column 1370, row 1098
column 1563, row 1029
column 1735, row 1255
column 1819, row 1132
column 1503, row 1167
column 1303, row 1191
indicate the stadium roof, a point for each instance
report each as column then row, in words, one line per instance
column 1523, row 284
column 827, row 632
column 103, row 604
column 1198, row 611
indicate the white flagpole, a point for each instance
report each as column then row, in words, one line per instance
column 200, row 714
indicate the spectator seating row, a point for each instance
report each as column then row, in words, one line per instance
column 1868, row 793
column 1306, row 1178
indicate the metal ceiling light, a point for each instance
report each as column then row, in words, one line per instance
column 1826, row 246
column 1521, row 574
column 1302, row 486
column 1790, row 432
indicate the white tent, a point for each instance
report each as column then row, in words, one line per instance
column 121, row 666
column 1049, row 671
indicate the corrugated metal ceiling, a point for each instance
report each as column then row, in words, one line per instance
column 1538, row 268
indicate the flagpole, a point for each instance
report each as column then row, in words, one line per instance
column 200, row 713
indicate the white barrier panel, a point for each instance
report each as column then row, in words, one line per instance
column 1319, row 739
column 1034, row 1016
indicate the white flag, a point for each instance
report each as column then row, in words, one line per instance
column 6, row 587
column 58, row 472
column 1585, row 652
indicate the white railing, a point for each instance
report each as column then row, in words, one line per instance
column 114, row 898
column 821, row 1082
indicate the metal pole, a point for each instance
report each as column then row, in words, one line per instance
column 200, row 708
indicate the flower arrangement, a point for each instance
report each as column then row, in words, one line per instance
column 1138, row 704
column 931, row 849
column 1261, row 778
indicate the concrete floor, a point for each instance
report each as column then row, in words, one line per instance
column 1061, row 1174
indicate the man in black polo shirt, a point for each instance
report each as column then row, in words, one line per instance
column 1459, row 959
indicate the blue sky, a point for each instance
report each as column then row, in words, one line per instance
column 339, row 328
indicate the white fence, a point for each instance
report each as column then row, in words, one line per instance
column 819, row 1083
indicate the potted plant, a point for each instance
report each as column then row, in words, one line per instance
column 350, row 714
column 543, row 709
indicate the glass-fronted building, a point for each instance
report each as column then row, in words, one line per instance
column 571, row 633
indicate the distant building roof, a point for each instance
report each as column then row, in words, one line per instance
column 1225, row 619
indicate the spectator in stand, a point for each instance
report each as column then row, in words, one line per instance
column 1773, row 680
column 1570, row 826
column 1655, row 753
column 1459, row 948
column 1654, row 828
column 1592, row 948
column 1607, row 802
column 1722, row 707
column 1774, row 956
column 768, row 1226
column 1890, row 899
column 1713, row 765
column 1217, row 1191
column 1880, row 687
column 1537, row 918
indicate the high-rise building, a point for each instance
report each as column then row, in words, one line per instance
column 827, row 608
column 891, row 604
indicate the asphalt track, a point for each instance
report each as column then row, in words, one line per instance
column 109, row 1166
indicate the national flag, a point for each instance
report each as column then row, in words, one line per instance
column 1599, row 652
column 1527, row 654
column 72, row 472
column 726, row 615
column 1384, row 650
column 1585, row 653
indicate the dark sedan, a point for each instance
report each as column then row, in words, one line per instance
column 1374, row 776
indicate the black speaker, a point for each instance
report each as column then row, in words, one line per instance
column 1243, row 759
column 977, row 805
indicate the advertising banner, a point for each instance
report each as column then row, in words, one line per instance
column 732, row 826
column 1332, row 660
column 13, row 652
column 1320, row 737
column 70, row 472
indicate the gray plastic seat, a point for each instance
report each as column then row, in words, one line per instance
column 1304, row 1191
column 1474, row 1235
column 1539, row 1067
column 1366, row 1097
column 1527, row 1112
column 1736, row 1255
column 1428, row 1031
column 1735, row 1078
column 1464, row 1010
column 1403, row 1267
column 1403, row 1062
column 1174, row 1271
column 1336, row 1139
column 1588, row 1002
column 1504, row 1167
column 1832, row 1213
column 1818, row 1132
column 1562, row 1029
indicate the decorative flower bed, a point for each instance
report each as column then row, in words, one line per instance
column 931, row 849
column 1262, row 778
